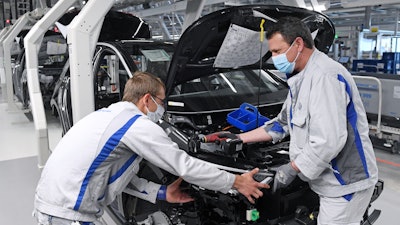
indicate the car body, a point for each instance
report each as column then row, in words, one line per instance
column 113, row 64
column 214, row 93
column 53, row 52
column 116, row 26
column 206, row 81
column 52, row 55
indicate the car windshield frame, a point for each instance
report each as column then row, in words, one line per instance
column 225, row 91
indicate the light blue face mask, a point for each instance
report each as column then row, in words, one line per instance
column 155, row 116
column 282, row 63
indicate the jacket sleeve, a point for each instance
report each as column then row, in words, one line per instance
column 144, row 189
column 327, row 128
column 149, row 140
column 277, row 128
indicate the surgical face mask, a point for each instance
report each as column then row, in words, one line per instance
column 282, row 63
column 155, row 116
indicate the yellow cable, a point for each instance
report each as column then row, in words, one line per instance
column 262, row 30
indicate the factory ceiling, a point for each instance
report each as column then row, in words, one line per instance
column 168, row 17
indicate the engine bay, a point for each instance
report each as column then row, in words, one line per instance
column 296, row 204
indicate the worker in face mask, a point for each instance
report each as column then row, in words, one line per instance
column 282, row 63
column 100, row 155
column 323, row 113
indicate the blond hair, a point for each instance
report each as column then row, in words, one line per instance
column 140, row 84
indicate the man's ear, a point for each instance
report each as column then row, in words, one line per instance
column 143, row 102
column 300, row 43
column 146, row 98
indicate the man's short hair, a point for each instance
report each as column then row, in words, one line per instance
column 290, row 28
column 140, row 84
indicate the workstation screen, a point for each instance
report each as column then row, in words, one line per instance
column 344, row 59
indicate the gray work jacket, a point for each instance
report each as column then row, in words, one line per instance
column 329, row 134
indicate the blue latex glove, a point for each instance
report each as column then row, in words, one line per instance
column 285, row 175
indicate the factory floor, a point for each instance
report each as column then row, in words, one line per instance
column 19, row 172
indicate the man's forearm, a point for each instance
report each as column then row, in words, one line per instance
column 255, row 135
column 293, row 164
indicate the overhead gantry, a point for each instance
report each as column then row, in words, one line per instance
column 3, row 34
column 32, row 44
column 83, row 33
column 25, row 21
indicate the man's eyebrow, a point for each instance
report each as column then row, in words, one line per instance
column 274, row 50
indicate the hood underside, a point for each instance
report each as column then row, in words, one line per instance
column 230, row 39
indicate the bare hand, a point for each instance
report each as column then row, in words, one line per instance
column 247, row 186
column 175, row 194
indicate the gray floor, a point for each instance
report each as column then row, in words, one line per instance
column 19, row 172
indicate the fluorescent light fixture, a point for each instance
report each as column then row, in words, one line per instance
column 319, row 8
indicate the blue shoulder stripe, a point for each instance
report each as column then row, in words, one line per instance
column 111, row 143
column 291, row 110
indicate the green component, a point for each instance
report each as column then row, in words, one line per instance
column 255, row 215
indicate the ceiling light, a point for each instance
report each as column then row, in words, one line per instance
column 318, row 8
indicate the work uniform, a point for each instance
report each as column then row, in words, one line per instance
column 100, row 155
column 329, row 140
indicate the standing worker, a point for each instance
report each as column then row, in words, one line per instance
column 100, row 155
column 323, row 113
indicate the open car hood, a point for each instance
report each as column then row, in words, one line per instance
column 199, row 52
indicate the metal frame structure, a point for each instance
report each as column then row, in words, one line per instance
column 377, row 127
column 3, row 34
column 83, row 32
column 32, row 44
column 387, row 133
column 21, row 23
column 82, row 37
